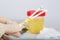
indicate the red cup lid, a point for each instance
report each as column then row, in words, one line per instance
column 30, row 12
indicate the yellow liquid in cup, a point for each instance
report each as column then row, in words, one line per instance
column 36, row 25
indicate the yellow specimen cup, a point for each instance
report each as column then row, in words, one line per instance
column 36, row 25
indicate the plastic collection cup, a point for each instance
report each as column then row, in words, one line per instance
column 36, row 24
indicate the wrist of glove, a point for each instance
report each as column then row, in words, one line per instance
column 9, row 28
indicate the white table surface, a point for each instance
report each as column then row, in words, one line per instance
column 46, row 33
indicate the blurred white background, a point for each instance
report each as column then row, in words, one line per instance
column 16, row 10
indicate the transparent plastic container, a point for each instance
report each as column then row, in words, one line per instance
column 36, row 24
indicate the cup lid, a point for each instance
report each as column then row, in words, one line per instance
column 30, row 12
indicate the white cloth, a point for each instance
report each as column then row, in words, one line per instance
column 48, row 33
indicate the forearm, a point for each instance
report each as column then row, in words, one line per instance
column 5, row 20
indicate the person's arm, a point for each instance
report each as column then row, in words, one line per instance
column 5, row 20
column 12, row 28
